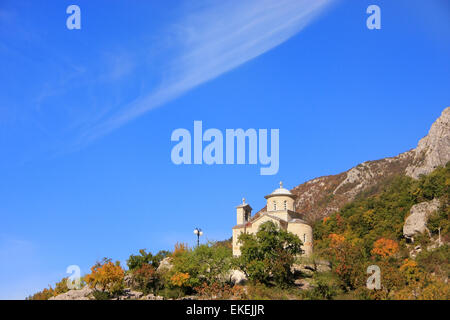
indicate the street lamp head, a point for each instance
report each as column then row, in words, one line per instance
column 198, row 232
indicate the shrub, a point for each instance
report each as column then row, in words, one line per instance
column 206, row 263
column 101, row 295
column 435, row 290
column 326, row 286
column 45, row 294
column 435, row 261
column 179, row 279
column 259, row 291
column 137, row 261
column 412, row 272
column 145, row 279
column 180, row 248
column 171, row 292
column 219, row 290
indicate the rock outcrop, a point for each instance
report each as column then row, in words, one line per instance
column 433, row 150
column 151, row 296
column 312, row 267
column 82, row 294
column 165, row 265
column 86, row 293
column 416, row 222
column 237, row 277
column 129, row 294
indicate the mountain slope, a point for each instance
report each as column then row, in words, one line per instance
column 322, row 196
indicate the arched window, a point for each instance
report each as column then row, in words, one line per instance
column 304, row 237
column 285, row 205
column 274, row 206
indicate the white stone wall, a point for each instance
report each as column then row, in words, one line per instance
column 280, row 200
column 305, row 233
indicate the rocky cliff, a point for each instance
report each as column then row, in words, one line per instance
column 434, row 149
column 322, row 196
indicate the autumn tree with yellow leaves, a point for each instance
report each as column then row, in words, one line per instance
column 106, row 276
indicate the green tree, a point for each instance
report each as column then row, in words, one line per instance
column 208, row 263
column 268, row 255
column 137, row 261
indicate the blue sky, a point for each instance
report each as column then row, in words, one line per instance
column 86, row 115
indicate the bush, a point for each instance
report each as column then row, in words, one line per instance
column 136, row 261
column 145, row 279
column 218, row 290
column 435, row 261
column 180, row 248
column 385, row 248
column 47, row 293
column 206, row 263
column 179, row 279
column 42, row 295
column 326, row 286
column 101, row 295
column 171, row 293
column 259, row 291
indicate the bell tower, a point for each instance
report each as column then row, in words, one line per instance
column 243, row 212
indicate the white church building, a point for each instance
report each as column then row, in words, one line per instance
column 281, row 211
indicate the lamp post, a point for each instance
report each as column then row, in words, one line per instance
column 199, row 233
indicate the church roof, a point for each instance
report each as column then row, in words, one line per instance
column 280, row 192
column 253, row 219
column 243, row 205
column 296, row 220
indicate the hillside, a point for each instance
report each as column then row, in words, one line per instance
column 320, row 197
column 371, row 230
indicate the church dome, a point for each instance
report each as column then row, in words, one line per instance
column 280, row 192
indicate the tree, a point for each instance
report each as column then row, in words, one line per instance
column 136, row 261
column 348, row 260
column 145, row 278
column 206, row 263
column 45, row 294
column 268, row 255
column 106, row 276
column 385, row 248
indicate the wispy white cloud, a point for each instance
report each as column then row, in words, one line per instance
column 212, row 39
